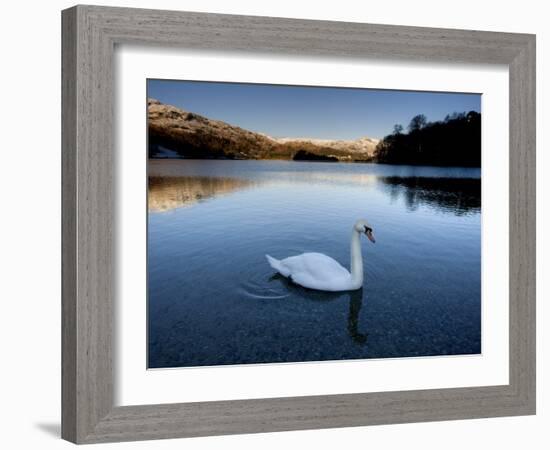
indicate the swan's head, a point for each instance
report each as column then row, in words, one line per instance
column 362, row 226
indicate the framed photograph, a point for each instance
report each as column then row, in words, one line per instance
column 278, row 224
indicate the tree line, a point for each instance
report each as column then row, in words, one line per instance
column 454, row 141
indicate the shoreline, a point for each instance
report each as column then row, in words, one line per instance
column 315, row 161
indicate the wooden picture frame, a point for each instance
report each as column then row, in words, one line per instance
column 90, row 34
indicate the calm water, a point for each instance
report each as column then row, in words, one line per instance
column 213, row 299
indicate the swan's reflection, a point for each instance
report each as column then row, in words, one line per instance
column 355, row 303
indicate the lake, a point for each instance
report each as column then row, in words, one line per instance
column 213, row 299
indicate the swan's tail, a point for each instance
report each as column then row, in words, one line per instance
column 275, row 263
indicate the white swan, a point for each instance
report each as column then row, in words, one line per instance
column 321, row 272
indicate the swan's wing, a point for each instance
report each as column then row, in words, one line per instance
column 315, row 271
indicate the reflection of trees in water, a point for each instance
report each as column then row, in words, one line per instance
column 355, row 303
column 457, row 195
column 166, row 193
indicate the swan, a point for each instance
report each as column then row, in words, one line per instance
column 321, row 272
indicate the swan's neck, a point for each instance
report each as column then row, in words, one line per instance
column 356, row 259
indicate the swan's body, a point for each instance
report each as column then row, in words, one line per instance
column 321, row 272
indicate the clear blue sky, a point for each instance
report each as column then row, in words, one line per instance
column 315, row 112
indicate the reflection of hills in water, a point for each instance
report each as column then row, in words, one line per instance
column 166, row 193
column 458, row 195
column 324, row 178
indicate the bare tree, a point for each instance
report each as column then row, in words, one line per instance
column 397, row 128
column 418, row 122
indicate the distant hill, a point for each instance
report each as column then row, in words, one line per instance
column 175, row 133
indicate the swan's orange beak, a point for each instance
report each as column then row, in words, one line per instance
column 370, row 236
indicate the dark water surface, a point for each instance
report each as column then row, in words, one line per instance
column 213, row 299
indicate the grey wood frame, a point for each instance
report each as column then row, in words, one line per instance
column 89, row 37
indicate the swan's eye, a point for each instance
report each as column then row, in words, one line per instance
column 368, row 229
